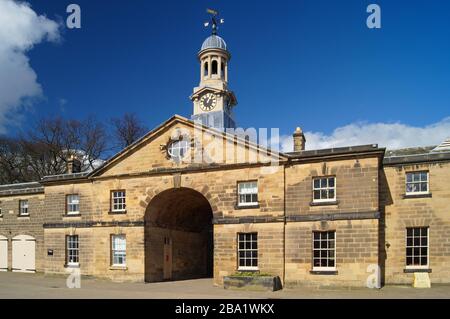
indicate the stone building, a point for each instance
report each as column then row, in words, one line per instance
column 193, row 198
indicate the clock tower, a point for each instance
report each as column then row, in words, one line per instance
column 213, row 101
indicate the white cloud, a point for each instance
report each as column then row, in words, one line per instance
column 20, row 29
column 389, row 135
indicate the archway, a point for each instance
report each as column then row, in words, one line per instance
column 178, row 236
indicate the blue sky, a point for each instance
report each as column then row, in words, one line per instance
column 310, row 63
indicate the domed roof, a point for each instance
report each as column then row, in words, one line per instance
column 214, row 42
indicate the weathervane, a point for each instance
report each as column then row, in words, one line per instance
column 214, row 16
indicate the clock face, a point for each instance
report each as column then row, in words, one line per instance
column 208, row 102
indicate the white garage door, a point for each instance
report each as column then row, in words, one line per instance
column 3, row 253
column 23, row 253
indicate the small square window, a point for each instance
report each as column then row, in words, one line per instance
column 118, row 201
column 324, row 189
column 23, row 208
column 417, row 183
column 247, row 193
column 73, row 204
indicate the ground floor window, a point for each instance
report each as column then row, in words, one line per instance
column 324, row 250
column 119, row 250
column 417, row 247
column 248, row 251
column 72, row 250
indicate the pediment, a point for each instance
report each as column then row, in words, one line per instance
column 204, row 90
column 208, row 148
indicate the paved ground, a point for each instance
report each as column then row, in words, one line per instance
column 17, row 285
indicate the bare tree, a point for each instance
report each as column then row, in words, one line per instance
column 45, row 148
column 127, row 129
column 12, row 168
column 93, row 142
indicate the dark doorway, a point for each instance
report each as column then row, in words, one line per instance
column 178, row 236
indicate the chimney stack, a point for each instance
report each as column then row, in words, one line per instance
column 73, row 165
column 299, row 140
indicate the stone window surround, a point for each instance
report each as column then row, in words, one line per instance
column 238, row 250
column 23, row 202
column 418, row 268
column 240, row 205
column 111, row 199
column 324, row 202
column 114, row 266
column 67, row 263
column 71, row 214
column 323, row 270
column 418, row 194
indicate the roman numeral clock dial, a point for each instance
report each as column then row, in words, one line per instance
column 208, row 102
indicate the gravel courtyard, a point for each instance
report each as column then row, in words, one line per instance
column 19, row 285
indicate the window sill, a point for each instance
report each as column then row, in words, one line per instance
column 23, row 217
column 427, row 195
column 122, row 212
column 71, row 215
column 124, row 268
column 249, row 269
column 324, row 272
column 413, row 270
column 325, row 203
column 254, row 206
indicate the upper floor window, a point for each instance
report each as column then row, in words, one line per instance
column 73, row 204
column 23, row 208
column 248, row 251
column 417, row 183
column 72, row 250
column 324, row 250
column 247, row 193
column 118, row 250
column 324, row 189
column 417, row 247
column 118, row 203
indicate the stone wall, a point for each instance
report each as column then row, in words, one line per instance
column 401, row 212
column 356, row 249
column 12, row 225
column 270, row 249
column 356, row 186
column 95, row 252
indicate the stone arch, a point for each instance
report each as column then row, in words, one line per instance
column 178, row 235
column 212, row 199
column 23, row 233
